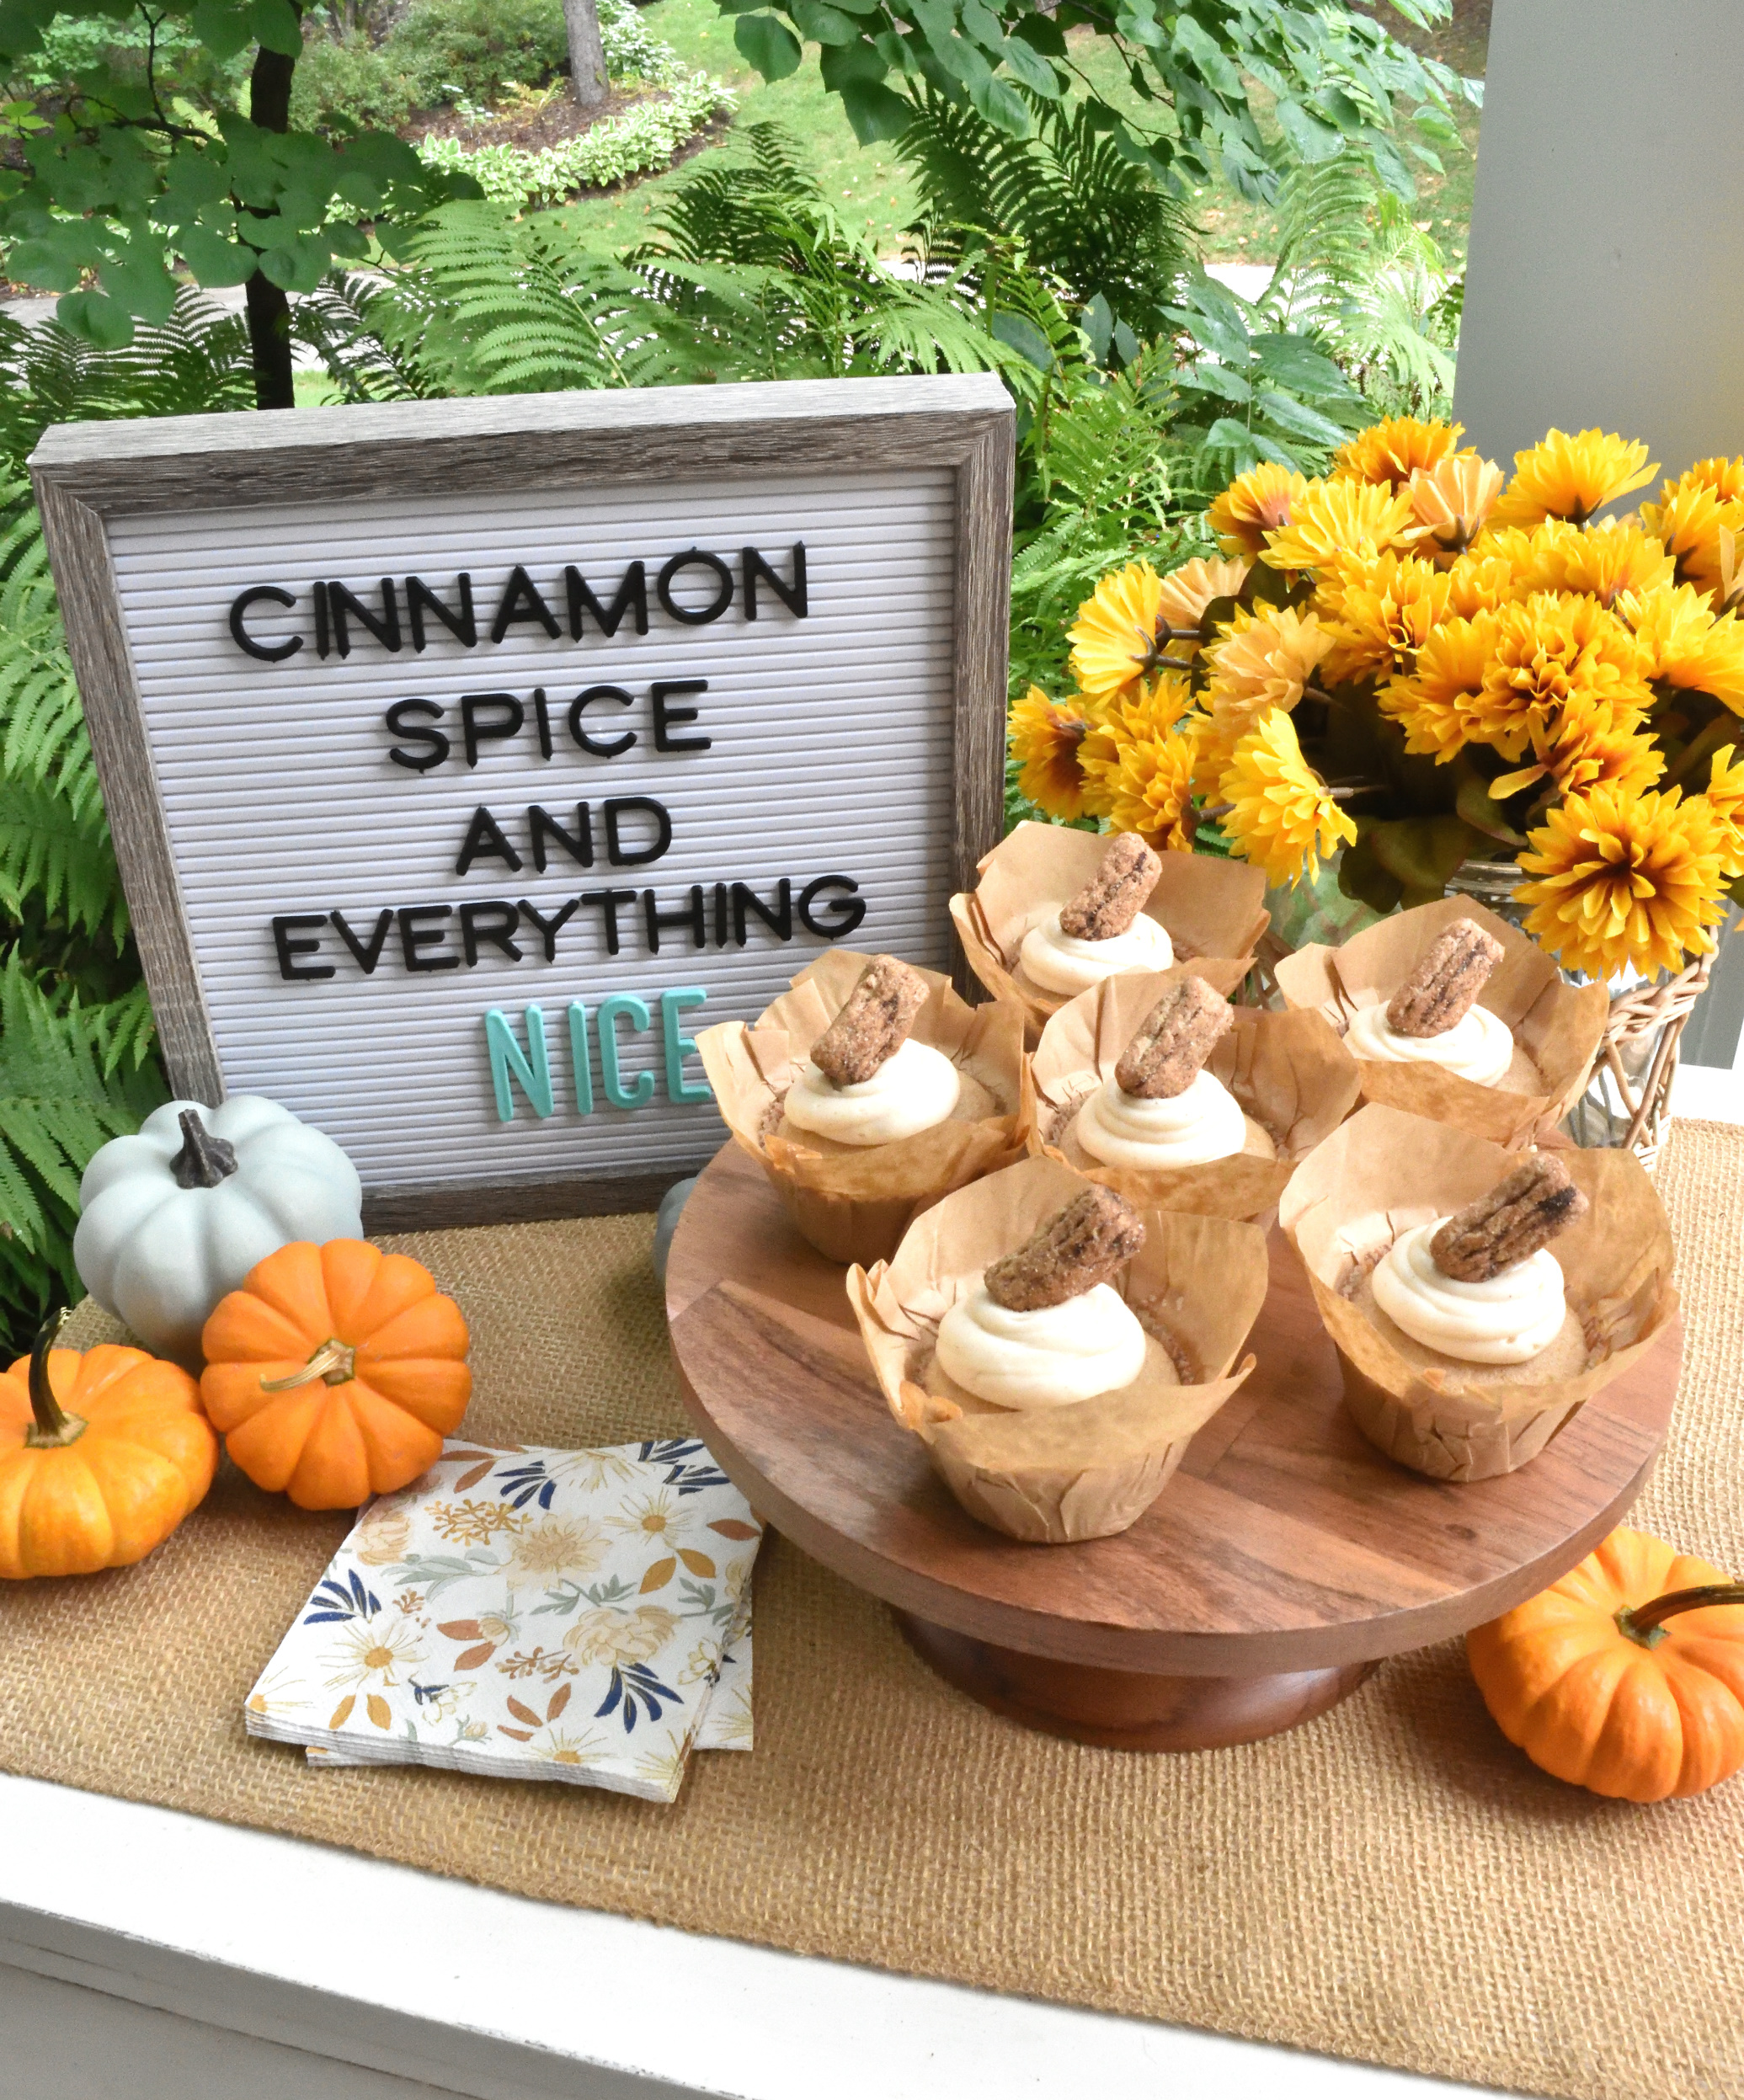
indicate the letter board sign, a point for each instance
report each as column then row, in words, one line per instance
column 465, row 758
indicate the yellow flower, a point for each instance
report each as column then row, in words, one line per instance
column 1625, row 881
column 1116, row 638
column 1724, row 798
column 1333, row 518
column 1688, row 519
column 1386, row 610
column 1480, row 583
column 559, row 1545
column 1683, row 645
column 1188, row 590
column 1545, row 650
column 1047, row 741
column 612, row 1634
column 1395, row 450
column 1279, row 811
column 1148, row 789
column 1455, row 499
column 1572, row 476
column 1603, row 560
column 1438, row 704
column 1253, row 504
column 1264, row 659
column 383, row 1536
column 1725, row 477
column 1585, row 743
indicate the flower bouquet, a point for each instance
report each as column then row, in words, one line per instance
column 1419, row 662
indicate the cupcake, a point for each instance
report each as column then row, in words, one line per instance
column 1478, row 1298
column 1452, row 1013
column 867, row 1091
column 1056, row 912
column 1158, row 1087
column 1055, row 1349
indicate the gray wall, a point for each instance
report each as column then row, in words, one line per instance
column 1605, row 283
column 1606, row 280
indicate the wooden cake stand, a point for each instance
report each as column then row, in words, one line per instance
column 1284, row 1559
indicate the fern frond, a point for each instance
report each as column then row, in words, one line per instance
column 63, row 861
column 62, row 1096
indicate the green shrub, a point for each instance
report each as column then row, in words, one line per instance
column 338, row 84
column 475, row 45
column 629, row 143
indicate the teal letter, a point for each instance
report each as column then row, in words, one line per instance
column 626, row 1004
column 506, row 1056
column 579, row 1058
column 679, row 1048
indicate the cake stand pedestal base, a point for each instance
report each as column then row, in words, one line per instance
column 1128, row 1709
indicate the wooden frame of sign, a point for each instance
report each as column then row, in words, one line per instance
column 153, row 487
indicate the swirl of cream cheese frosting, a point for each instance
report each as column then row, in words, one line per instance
column 914, row 1088
column 1505, row 1319
column 1128, row 1130
column 1061, row 963
column 1057, row 1354
column 1478, row 1047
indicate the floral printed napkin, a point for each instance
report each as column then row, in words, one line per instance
column 530, row 1614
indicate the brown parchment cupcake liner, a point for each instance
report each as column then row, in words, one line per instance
column 1211, row 910
column 1290, row 1074
column 855, row 1204
column 1557, row 1025
column 1052, row 1475
column 1384, row 1171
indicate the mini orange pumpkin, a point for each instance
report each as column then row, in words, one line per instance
column 1627, row 1676
column 101, row 1456
column 335, row 1371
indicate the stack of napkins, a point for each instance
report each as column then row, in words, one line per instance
column 532, row 1614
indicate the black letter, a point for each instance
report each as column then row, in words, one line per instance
column 414, row 938
column 521, row 600
column 848, row 911
column 633, row 591
column 368, row 953
column 541, row 824
column 549, row 928
column 321, row 640
column 386, row 629
column 509, row 720
column 438, row 744
column 695, row 559
column 792, row 595
column 463, row 625
column 615, row 851
column 611, row 747
column 690, row 916
column 289, row 950
column 484, row 839
column 493, row 923
column 666, row 716
column 780, row 921
column 608, row 900
column 267, row 653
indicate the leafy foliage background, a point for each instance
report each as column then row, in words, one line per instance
column 1044, row 253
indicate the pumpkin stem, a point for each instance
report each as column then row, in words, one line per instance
column 334, row 1362
column 54, row 1428
column 1641, row 1622
column 204, row 1161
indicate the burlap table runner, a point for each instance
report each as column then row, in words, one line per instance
column 1391, row 1882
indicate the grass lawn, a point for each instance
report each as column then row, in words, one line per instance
column 864, row 182
column 869, row 187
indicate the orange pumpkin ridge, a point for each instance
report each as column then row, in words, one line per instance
column 1627, row 1676
column 101, row 1456
column 336, row 1372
